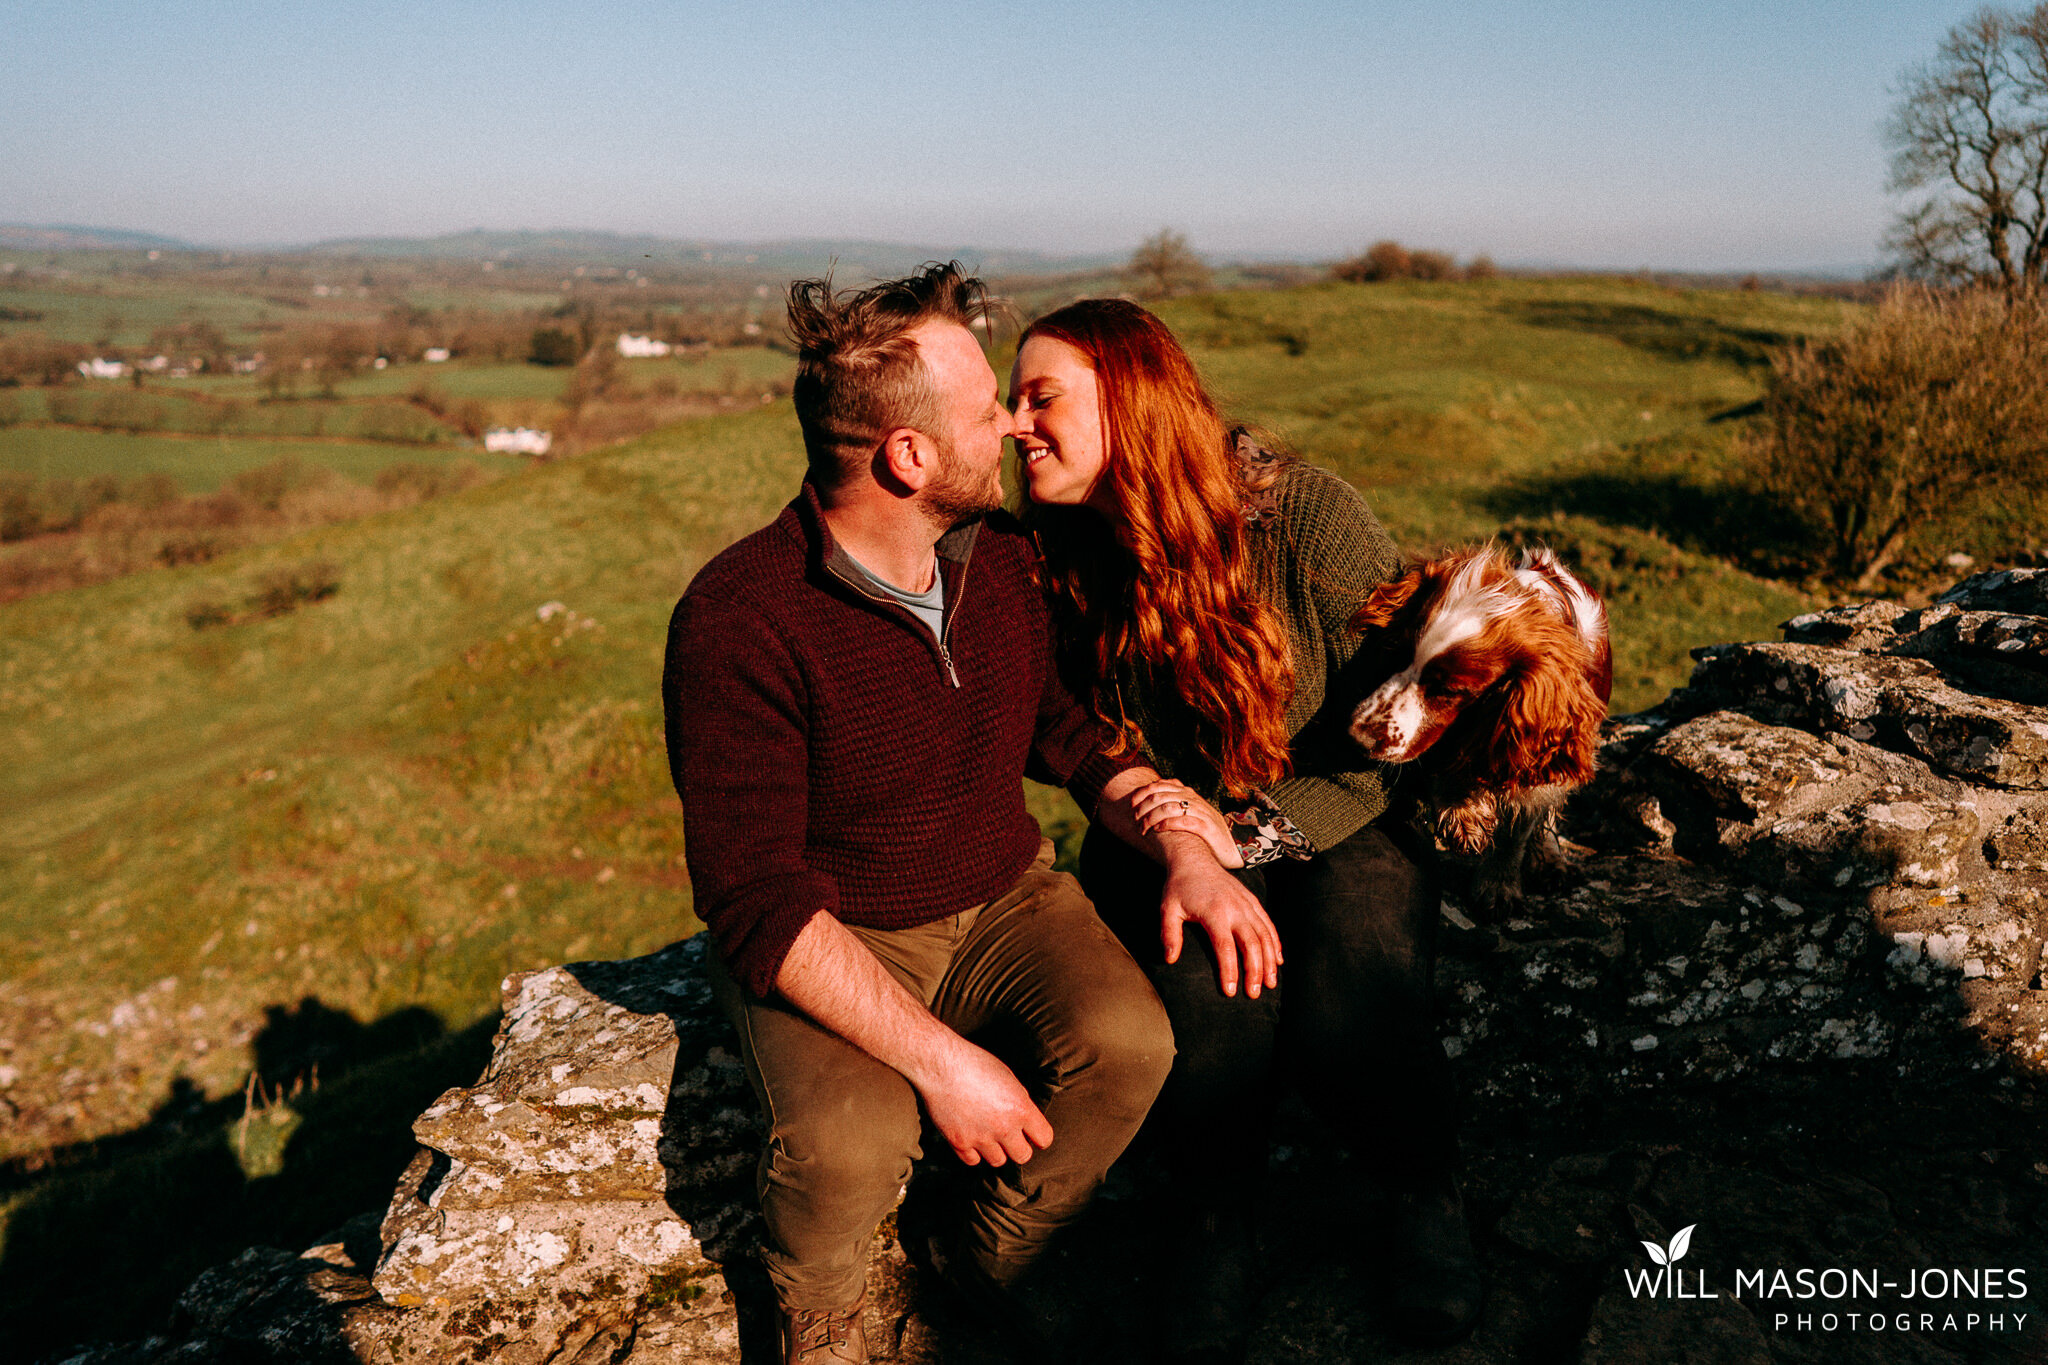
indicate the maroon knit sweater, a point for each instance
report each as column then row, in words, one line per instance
column 831, row 755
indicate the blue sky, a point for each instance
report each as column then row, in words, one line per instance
column 1711, row 135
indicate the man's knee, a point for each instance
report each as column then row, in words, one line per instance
column 1120, row 1037
column 856, row 1145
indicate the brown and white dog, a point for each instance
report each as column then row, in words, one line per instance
column 1502, row 675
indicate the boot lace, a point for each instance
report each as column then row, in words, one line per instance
column 823, row 1329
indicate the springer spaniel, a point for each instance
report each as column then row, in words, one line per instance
column 1506, row 678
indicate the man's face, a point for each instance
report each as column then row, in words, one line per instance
column 973, row 421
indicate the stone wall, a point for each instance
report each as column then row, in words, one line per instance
column 1814, row 873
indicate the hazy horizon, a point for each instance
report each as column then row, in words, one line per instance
column 1602, row 135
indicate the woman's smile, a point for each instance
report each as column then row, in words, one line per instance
column 1058, row 412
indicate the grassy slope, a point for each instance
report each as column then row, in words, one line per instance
column 203, row 463
column 433, row 746
column 126, row 309
column 389, row 799
column 1586, row 407
column 440, row 758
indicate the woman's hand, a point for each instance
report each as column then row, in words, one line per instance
column 1167, row 804
column 1246, row 943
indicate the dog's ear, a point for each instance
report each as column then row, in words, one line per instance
column 1387, row 602
column 1549, row 726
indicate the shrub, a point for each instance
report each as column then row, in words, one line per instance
column 1431, row 265
column 1381, row 261
column 21, row 514
column 418, row 482
column 32, row 358
column 267, row 484
column 287, row 589
column 151, row 491
column 1908, row 413
column 1481, row 268
column 551, row 346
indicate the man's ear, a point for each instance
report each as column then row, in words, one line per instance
column 907, row 458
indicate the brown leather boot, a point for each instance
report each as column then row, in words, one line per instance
column 825, row 1336
column 1437, row 1288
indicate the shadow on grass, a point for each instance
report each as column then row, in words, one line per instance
column 104, row 1235
column 1673, row 336
column 1708, row 516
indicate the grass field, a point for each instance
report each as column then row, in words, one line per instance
column 372, row 808
column 125, row 311
column 202, row 463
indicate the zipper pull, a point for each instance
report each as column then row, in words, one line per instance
column 946, row 657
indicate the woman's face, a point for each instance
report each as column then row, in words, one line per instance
column 1058, row 408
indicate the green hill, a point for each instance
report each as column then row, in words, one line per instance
column 379, row 803
column 393, row 796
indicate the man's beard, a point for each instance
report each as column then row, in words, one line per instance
column 959, row 492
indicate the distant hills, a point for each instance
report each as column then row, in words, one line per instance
column 611, row 248
column 856, row 258
column 66, row 237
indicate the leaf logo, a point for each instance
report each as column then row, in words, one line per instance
column 1678, row 1247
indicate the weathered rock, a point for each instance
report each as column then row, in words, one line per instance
column 1628, row 1331
column 1801, row 811
column 544, row 1190
column 1862, row 625
column 1986, row 652
column 2020, row 591
column 1901, row 704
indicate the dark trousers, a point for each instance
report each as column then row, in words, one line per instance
column 1352, row 1024
column 1034, row 970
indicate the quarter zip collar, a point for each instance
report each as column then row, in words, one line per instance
column 828, row 556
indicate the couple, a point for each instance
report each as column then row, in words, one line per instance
column 852, row 694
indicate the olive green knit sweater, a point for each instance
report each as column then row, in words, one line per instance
column 1314, row 563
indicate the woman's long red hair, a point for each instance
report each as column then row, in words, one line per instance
column 1169, row 585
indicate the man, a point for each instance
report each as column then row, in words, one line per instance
column 853, row 694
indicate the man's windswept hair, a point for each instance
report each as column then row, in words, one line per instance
column 858, row 375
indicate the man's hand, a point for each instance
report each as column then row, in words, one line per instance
column 982, row 1110
column 1199, row 891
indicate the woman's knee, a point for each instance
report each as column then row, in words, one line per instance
column 1362, row 908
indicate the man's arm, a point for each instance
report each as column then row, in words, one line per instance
column 1198, row 889
column 736, row 715
column 975, row 1101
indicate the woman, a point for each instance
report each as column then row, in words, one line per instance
column 1202, row 586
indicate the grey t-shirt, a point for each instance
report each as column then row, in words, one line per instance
column 928, row 606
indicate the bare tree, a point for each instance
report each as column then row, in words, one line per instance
column 1164, row 264
column 1969, row 140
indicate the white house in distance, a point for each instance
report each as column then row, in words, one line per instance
column 641, row 348
column 434, row 355
column 97, row 368
column 518, row 441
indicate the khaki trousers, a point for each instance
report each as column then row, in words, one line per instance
column 1037, row 977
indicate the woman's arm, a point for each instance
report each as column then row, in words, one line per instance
column 1197, row 890
column 1336, row 553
